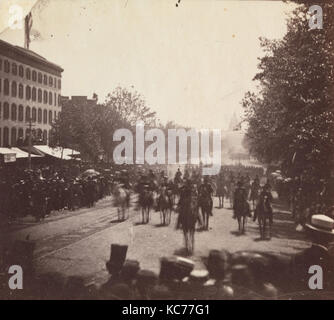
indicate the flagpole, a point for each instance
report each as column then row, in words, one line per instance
column 27, row 28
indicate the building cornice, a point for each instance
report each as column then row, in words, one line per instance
column 29, row 57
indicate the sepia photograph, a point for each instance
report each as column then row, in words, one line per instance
column 171, row 150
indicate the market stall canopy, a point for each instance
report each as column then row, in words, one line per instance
column 59, row 153
column 20, row 154
column 7, row 155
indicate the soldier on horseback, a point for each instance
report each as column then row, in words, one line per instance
column 124, row 179
column 188, row 213
column 205, row 191
column 221, row 188
column 231, row 188
column 264, row 210
column 240, row 198
column 186, row 192
column 254, row 193
column 152, row 181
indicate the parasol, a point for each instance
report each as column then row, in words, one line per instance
column 90, row 173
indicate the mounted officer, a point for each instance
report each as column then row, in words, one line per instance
column 205, row 192
column 266, row 199
column 221, row 188
column 187, row 191
column 124, row 179
column 240, row 199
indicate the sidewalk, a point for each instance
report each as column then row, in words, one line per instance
column 28, row 221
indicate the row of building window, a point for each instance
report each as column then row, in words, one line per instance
column 30, row 93
column 29, row 75
column 35, row 115
column 17, row 136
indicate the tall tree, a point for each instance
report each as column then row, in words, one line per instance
column 291, row 118
column 131, row 106
column 75, row 129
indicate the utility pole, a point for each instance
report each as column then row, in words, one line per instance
column 29, row 142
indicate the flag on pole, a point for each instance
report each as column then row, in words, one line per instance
column 27, row 27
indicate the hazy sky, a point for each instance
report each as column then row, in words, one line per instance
column 193, row 63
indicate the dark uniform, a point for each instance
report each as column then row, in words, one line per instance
column 187, row 193
column 178, row 176
column 240, row 203
column 205, row 191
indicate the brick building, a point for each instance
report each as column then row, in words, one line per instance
column 30, row 91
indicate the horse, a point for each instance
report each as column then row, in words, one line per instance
column 254, row 196
column 230, row 193
column 146, row 202
column 264, row 212
column 205, row 203
column 221, row 193
column 121, row 201
column 188, row 217
column 175, row 189
column 241, row 212
column 165, row 206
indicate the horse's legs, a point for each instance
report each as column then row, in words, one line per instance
column 239, row 224
column 186, row 240
column 261, row 227
column 192, row 241
column 270, row 226
column 207, row 220
column 167, row 217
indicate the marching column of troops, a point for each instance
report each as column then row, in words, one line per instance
column 41, row 191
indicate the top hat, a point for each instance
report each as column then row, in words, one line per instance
column 218, row 262
column 117, row 258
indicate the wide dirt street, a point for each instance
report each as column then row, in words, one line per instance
column 79, row 243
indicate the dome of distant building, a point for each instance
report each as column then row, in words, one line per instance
column 235, row 123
